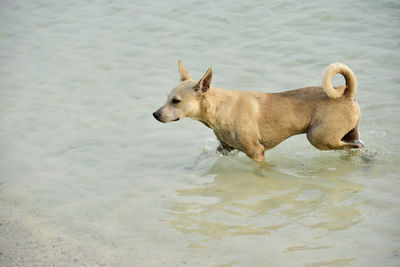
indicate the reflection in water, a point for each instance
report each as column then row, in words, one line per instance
column 243, row 200
column 336, row 262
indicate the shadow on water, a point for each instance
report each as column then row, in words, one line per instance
column 245, row 199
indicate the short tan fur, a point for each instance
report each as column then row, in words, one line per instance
column 253, row 122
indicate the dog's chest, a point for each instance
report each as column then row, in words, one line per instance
column 226, row 136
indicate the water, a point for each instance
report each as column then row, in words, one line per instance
column 89, row 177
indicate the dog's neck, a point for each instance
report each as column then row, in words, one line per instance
column 214, row 103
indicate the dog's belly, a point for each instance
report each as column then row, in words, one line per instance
column 276, row 129
column 272, row 141
column 270, row 144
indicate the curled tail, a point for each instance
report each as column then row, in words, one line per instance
column 351, row 82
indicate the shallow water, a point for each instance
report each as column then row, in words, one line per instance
column 89, row 177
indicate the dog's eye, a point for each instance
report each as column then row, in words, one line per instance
column 175, row 101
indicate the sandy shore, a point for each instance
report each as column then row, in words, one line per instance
column 24, row 241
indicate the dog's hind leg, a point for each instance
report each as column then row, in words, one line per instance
column 353, row 136
column 325, row 139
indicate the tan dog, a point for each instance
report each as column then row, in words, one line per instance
column 253, row 122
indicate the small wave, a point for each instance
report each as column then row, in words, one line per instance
column 368, row 155
column 209, row 151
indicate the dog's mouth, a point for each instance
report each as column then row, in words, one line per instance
column 157, row 116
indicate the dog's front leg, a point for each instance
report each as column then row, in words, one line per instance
column 253, row 149
column 223, row 148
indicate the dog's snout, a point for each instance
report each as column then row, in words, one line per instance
column 157, row 116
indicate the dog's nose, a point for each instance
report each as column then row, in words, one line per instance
column 156, row 116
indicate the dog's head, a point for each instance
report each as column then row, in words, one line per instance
column 185, row 99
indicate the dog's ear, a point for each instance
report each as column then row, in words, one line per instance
column 183, row 72
column 204, row 84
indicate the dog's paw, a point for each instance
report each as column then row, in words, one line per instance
column 222, row 150
column 358, row 143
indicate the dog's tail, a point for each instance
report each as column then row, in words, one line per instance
column 351, row 82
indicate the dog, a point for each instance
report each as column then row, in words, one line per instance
column 253, row 122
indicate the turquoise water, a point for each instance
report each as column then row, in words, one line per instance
column 89, row 177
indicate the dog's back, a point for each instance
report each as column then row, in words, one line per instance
column 253, row 122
